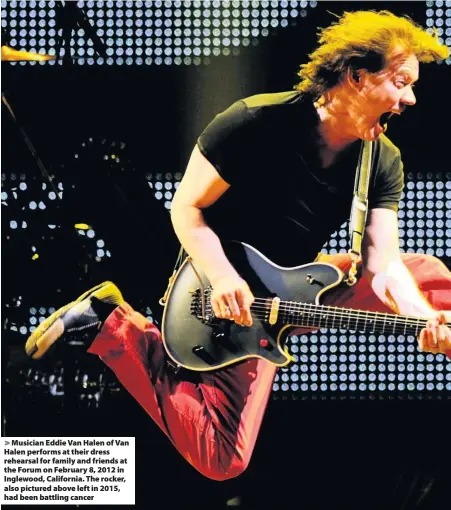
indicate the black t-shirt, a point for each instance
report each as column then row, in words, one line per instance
column 280, row 200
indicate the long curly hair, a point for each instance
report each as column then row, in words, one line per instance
column 364, row 40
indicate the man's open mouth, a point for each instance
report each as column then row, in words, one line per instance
column 383, row 119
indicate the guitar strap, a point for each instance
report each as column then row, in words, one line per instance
column 181, row 256
column 359, row 207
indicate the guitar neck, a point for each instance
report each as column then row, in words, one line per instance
column 301, row 314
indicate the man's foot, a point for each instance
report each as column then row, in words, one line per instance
column 88, row 311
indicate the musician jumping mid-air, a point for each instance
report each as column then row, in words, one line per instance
column 277, row 171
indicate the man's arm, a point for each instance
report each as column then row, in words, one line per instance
column 384, row 269
column 392, row 282
column 201, row 187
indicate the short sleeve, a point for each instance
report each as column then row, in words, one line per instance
column 226, row 141
column 388, row 186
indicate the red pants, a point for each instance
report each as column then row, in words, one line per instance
column 213, row 418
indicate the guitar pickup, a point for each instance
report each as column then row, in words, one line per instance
column 200, row 352
column 274, row 312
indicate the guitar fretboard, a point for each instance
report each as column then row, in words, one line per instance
column 308, row 315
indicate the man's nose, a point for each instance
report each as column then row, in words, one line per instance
column 408, row 97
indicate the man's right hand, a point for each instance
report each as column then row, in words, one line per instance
column 232, row 299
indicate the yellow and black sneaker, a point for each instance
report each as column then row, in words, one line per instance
column 88, row 311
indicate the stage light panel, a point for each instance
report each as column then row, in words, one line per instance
column 150, row 33
column 438, row 17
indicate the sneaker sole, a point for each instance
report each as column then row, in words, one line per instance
column 52, row 328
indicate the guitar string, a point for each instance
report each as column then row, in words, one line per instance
column 390, row 321
column 400, row 326
column 342, row 313
column 362, row 316
column 293, row 307
column 330, row 322
column 396, row 330
column 369, row 328
column 299, row 305
column 392, row 329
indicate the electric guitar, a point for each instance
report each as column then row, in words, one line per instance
column 285, row 298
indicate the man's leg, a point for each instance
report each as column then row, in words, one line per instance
column 212, row 418
column 431, row 275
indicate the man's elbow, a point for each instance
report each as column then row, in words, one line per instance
column 378, row 273
column 368, row 275
column 183, row 213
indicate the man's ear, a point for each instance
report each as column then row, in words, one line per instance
column 354, row 77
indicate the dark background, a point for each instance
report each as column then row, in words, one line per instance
column 315, row 453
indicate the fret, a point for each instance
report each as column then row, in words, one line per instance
column 341, row 319
column 305, row 317
column 324, row 317
column 316, row 315
column 394, row 324
column 282, row 314
column 300, row 314
column 376, row 319
column 293, row 305
column 308, row 318
column 364, row 320
column 418, row 328
column 365, row 326
column 348, row 318
column 357, row 321
column 406, row 322
column 351, row 318
column 288, row 311
column 333, row 317
column 383, row 324
column 313, row 316
column 305, row 314
column 297, row 313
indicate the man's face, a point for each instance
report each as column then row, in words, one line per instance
column 388, row 92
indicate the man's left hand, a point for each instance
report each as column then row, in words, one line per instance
column 436, row 336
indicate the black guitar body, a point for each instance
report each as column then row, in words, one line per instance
column 196, row 340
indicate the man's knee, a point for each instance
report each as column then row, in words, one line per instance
column 220, row 473
column 429, row 271
column 224, row 462
column 422, row 260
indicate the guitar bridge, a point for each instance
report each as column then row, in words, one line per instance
column 201, row 306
